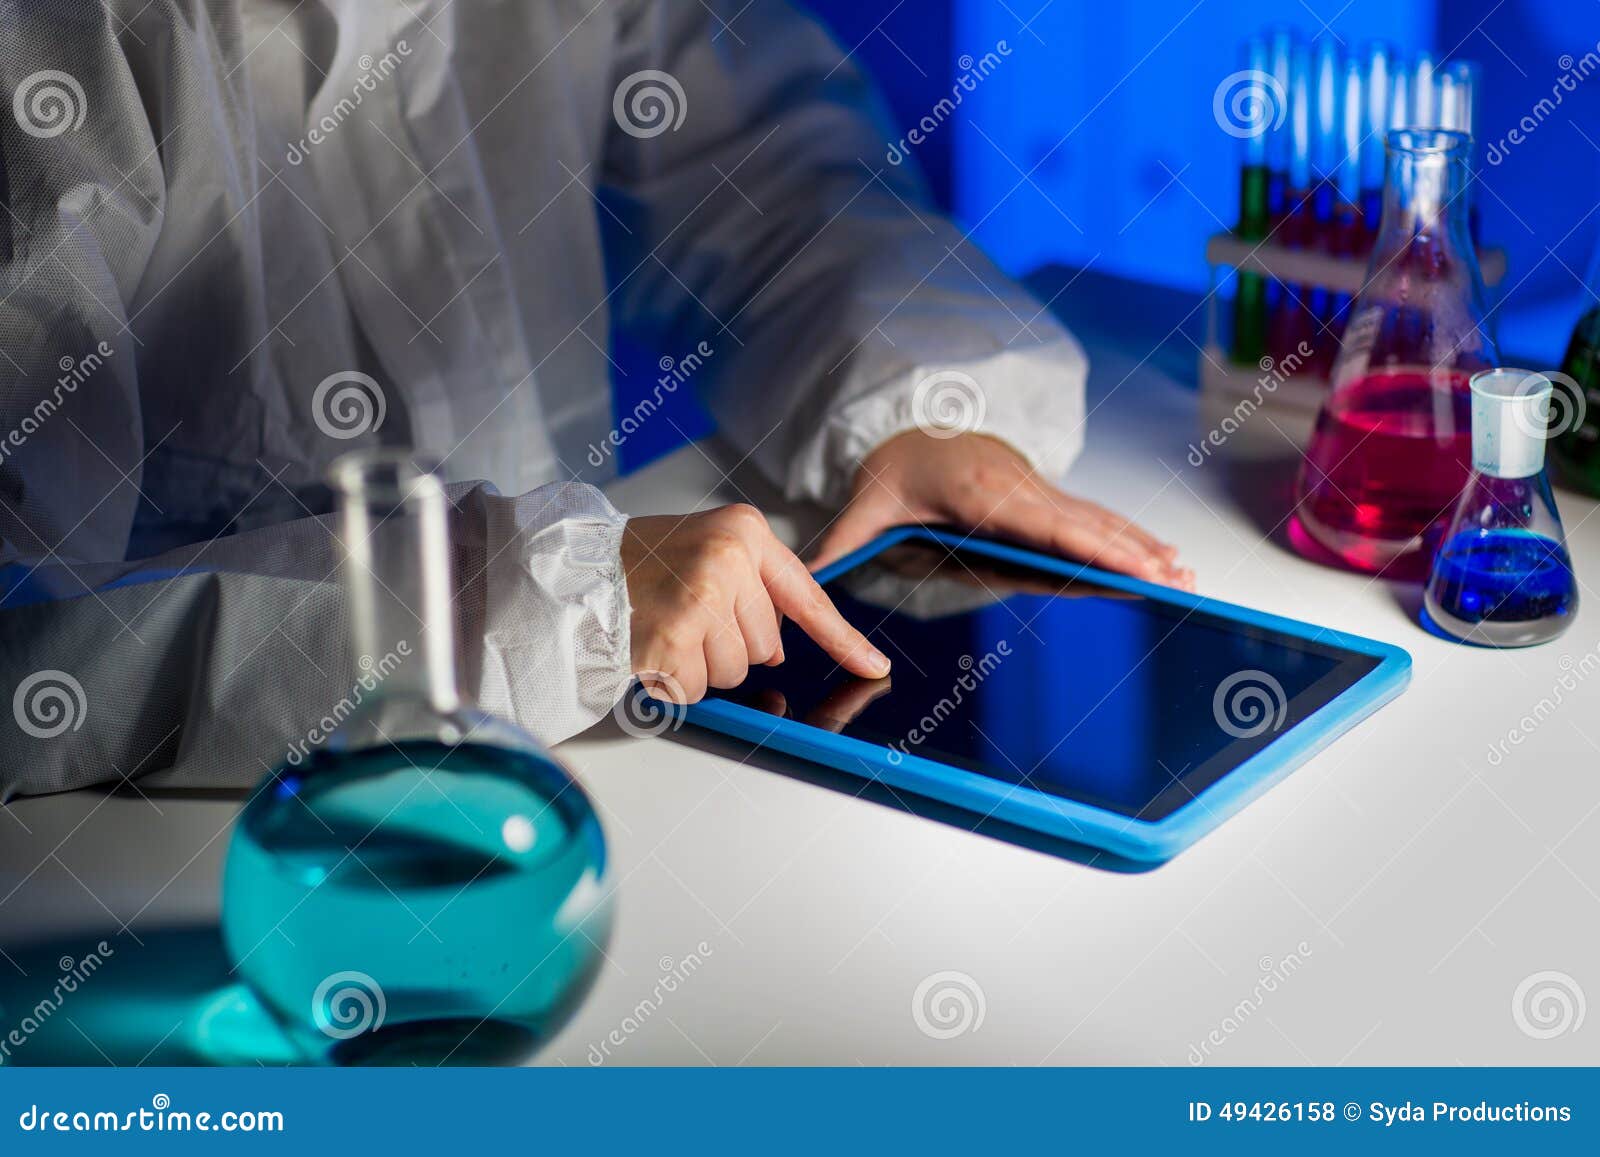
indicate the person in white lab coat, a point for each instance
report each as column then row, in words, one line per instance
column 243, row 237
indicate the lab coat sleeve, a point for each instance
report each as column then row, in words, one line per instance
column 840, row 309
column 207, row 666
column 555, row 652
column 203, row 665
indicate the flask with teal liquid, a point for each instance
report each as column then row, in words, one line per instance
column 428, row 886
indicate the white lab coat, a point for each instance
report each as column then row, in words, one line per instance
column 250, row 202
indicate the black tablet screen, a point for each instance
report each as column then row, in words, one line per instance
column 1123, row 702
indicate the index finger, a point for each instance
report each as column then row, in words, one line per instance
column 796, row 594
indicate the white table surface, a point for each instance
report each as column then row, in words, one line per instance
column 1412, row 883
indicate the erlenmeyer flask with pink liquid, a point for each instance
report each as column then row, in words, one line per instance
column 1392, row 447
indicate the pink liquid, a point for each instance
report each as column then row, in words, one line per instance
column 1386, row 464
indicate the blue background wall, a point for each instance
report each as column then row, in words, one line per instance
column 1093, row 143
column 1112, row 102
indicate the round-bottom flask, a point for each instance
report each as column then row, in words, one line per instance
column 424, row 903
column 429, row 886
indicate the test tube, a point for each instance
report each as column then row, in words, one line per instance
column 1400, row 98
column 1458, row 96
column 1253, row 64
column 1254, row 219
column 1347, row 238
column 1325, row 148
column 1281, row 40
column 1250, row 298
column 1298, row 196
column 1347, row 214
column 1424, row 93
column 1291, row 321
column 1458, row 111
column 1375, row 126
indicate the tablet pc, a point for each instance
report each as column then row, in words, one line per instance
column 1090, row 706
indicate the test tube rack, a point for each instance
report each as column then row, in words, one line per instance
column 1231, row 393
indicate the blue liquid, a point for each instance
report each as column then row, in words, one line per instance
column 1505, row 588
column 458, row 891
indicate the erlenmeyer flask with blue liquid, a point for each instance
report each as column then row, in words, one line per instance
column 429, row 885
column 1502, row 575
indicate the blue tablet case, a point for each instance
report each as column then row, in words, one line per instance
column 1127, row 837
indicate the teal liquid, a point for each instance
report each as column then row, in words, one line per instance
column 418, row 904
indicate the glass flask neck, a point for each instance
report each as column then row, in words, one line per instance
column 1425, row 192
column 396, row 566
column 1493, row 502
